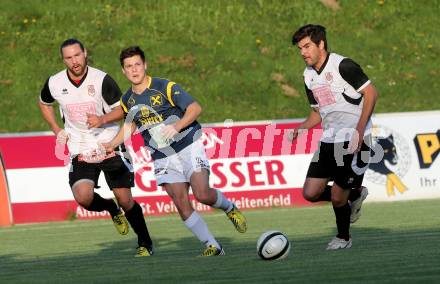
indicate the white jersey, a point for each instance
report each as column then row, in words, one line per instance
column 97, row 93
column 335, row 90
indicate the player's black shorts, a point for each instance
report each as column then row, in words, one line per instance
column 334, row 162
column 116, row 172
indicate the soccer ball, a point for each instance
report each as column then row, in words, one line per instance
column 273, row 245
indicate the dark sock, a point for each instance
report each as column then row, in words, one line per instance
column 100, row 204
column 354, row 194
column 136, row 219
column 326, row 195
column 343, row 221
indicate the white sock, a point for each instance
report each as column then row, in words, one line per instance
column 222, row 202
column 199, row 228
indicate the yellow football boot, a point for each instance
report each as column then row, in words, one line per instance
column 237, row 218
column 121, row 223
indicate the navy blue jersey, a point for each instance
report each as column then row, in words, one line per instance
column 163, row 102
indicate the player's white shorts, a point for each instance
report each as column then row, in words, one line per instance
column 180, row 166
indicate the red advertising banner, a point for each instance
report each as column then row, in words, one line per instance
column 253, row 164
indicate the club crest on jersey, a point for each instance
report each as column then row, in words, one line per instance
column 91, row 90
column 329, row 76
column 156, row 100
column 131, row 102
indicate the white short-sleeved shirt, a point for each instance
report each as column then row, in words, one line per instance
column 96, row 93
column 335, row 90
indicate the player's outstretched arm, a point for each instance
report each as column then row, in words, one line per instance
column 311, row 121
column 125, row 132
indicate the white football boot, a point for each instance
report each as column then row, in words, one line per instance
column 337, row 243
column 357, row 204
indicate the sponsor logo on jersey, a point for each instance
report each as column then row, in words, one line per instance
column 77, row 112
column 324, row 96
column 64, row 91
column 155, row 119
column 145, row 112
column 156, row 100
column 91, row 90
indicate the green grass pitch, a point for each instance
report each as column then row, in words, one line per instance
column 392, row 242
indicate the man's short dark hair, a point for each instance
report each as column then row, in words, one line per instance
column 130, row 52
column 71, row 41
column 315, row 32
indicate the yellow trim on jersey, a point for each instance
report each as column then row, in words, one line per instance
column 149, row 80
column 169, row 86
column 123, row 106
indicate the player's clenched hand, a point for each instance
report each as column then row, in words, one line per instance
column 108, row 147
column 169, row 131
column 94, row 121
column 62, row 137
column 356, row 142
column 292, row 134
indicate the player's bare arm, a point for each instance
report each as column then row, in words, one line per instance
column 313, row 120
column 126, row 130
column 370, row 96
column 192, row 112
column 49, row 115
column 95, row 121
